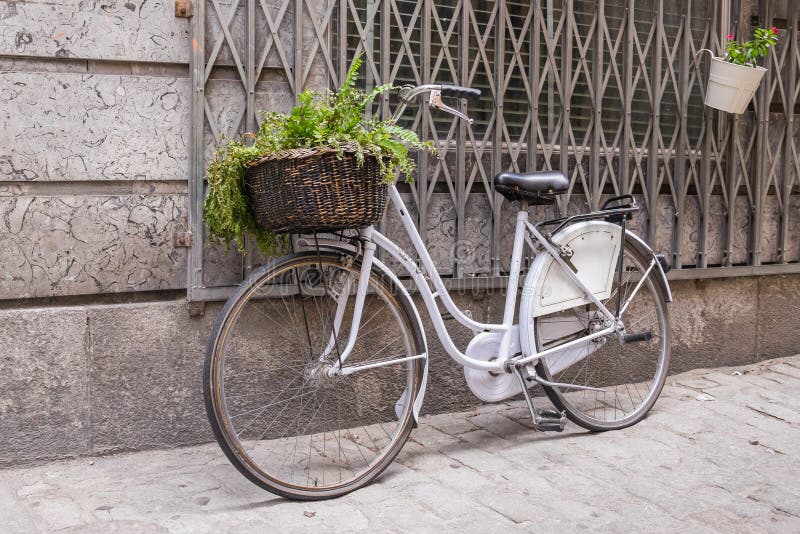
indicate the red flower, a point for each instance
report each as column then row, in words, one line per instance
column 730, row 36
column 775, row 30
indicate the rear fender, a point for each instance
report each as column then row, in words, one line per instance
column 646, row 251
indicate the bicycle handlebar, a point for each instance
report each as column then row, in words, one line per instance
column 459, row 91
column 409, row 92
column 435, row 91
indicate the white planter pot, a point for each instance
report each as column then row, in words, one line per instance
column 730, row 86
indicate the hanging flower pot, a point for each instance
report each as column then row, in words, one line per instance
column 731, row 87
column 734, row 78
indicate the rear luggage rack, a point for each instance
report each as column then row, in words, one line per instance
column 609, row 211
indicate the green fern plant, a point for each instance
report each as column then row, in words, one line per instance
column 332, row 119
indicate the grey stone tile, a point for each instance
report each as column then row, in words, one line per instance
column 44, row 386
column 73, row 245
column 146, row 375
column 131, row 30
column 61, row 126
column 778, row 316
column 704, row 306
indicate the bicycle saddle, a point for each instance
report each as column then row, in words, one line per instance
column 539, row 187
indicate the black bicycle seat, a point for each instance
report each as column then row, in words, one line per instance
column 539, row 187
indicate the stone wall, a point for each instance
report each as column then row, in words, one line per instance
column 96, row 379
column 93, row 164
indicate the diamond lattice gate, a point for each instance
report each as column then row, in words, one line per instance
column 609, row 91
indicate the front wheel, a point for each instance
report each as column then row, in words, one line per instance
column 627, row 373
column 282, row 418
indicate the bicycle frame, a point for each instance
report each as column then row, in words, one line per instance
column 523, row 233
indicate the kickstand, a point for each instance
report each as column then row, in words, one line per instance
column 543, row 420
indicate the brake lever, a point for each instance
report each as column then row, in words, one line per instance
column 405, row 93
column 435, row 101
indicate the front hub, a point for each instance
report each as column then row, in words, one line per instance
column 319, row 374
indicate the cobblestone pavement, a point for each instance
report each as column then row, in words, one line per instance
column 719, row 452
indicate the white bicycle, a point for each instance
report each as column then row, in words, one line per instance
column 316, row 369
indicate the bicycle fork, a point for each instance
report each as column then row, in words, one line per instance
column 338, row 367
column 358, row 308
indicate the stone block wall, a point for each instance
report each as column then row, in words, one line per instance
column 93, row 164
column 102, row 378
column 94, row 127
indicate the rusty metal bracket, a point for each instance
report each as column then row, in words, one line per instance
column 196, row 308
column 184, row 8
column 182, row 239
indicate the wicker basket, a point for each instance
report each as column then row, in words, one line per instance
column 315, row 189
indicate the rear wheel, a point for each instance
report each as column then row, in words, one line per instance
column 282, row 419
column 628, row 376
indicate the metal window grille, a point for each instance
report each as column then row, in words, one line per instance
column 609, row 91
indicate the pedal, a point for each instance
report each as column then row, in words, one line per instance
column 635, row 338
column 550, row 421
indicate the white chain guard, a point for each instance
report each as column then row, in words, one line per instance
column 560, row 327
column 486, row 386
column 595, row 253
column 547, row 289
